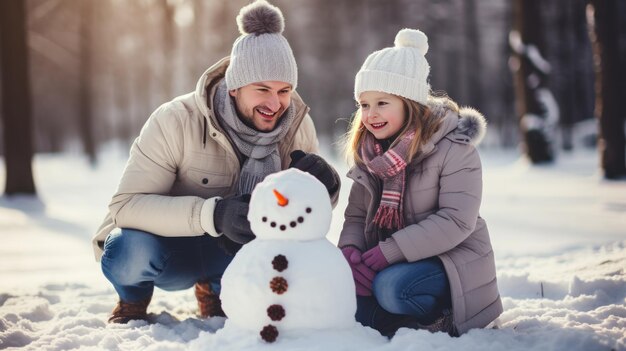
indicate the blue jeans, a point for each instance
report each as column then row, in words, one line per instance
column 405, row 293
column 135, row 262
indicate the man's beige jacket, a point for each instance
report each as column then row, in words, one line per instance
column 182, row 157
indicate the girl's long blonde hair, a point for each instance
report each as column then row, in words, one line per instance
column 418, row 119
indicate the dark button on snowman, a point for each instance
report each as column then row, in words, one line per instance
column 290, row 278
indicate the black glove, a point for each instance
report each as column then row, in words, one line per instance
column 231, row 218
column 228, row 246
column 316, row 166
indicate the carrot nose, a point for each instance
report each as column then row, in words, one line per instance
column 282, row 201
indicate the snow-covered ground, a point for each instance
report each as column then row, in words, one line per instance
column 559, row 233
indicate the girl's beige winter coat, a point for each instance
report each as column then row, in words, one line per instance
column 183, row 157
column 442, row 199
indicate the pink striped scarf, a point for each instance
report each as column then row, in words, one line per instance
column 390, row 167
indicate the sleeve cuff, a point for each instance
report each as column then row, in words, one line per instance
column 206, row 216
column 391, row 251
column 334, row 195
column 346, row 246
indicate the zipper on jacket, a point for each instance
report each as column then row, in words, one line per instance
column 204, row 134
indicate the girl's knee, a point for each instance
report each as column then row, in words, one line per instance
column 412, row 288
column 399, row 299
column 389, row 281
column 388, row 292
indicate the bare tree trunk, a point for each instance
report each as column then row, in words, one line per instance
column 608, row 111
column 572, row 77
column 119, row 68
column 454, row 78
column 537, row 120
column 473, row 49
column 143, row 75
column 86, row 114
column 124, row 127
column 198, row 64
column 169, row 43
column 567, row 56
column 18, row 147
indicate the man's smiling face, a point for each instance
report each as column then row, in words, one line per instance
column 260, row 105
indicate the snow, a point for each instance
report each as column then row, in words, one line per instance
column 557, row 231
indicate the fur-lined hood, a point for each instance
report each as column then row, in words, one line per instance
column 464, row 125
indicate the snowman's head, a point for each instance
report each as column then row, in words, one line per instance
column 290, row 205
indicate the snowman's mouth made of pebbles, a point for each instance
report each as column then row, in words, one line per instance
column 283, row 201
column 283, row 226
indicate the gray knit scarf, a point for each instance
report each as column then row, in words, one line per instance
column 261, row 148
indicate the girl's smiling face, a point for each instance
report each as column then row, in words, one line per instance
column 382, row 114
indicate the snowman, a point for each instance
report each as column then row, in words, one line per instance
column 290, row 278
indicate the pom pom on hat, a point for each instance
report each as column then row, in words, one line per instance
column 412, row 38
column 259, row 18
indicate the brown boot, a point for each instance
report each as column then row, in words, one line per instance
column 127, row 311
column 209, row 302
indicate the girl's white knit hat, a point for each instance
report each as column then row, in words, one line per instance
column 400, row 70
column 261, row 53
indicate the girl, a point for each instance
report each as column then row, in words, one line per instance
column 419, row 251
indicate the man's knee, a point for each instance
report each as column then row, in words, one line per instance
column 128, row 255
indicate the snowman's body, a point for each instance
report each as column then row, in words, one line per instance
column 290, row 277
column 311, row 300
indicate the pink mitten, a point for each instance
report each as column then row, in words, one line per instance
column 362, row 275
column 375, row 259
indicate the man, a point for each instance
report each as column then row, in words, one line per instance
column 182, row 203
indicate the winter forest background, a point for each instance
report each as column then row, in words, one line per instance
column 93, row 71
column 80, row 77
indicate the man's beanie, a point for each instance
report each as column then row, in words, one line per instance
column 400, row 70
column 261, row 53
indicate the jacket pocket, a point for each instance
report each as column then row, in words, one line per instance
column 209, row 179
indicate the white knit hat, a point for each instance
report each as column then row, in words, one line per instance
column 400, row 70
column 261, row 53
